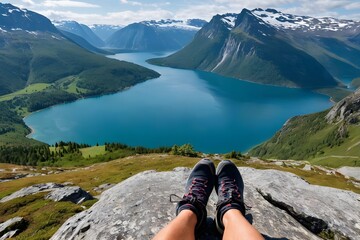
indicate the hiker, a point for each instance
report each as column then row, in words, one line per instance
column 230, row 209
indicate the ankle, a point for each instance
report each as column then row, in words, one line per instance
column 230, row 215
column 188, row 216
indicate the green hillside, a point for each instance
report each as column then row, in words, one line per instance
column 321, row 139
column 46, row 58
column 43, row 69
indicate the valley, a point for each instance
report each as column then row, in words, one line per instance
column 101, row 122
column 179, row 107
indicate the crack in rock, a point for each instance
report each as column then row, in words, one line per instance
column 313, row 224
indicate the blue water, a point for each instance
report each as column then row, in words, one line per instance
column 215, row 114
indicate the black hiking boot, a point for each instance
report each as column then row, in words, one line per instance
column 197, row 191
column 230, row 189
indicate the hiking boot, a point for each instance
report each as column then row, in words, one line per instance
column 197, row 191
column 230, row 189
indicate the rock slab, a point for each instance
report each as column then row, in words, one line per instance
column 37, row 188
column 318, row 208
column 281, row 205
column 350, row 172
column 57, row 192
column 11, row 227
column 72, row 194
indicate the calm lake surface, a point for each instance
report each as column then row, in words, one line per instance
column 215, row 114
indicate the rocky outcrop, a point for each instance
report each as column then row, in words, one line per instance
column 320, row 209
column 72, row 194
column 103, row 187
column 12, row 227
column 353, row 172
column 283, row 206
column 58, row 192
column 37, row 188
column 347, row 110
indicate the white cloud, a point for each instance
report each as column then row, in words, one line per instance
column 205, row 12
column 318, row 8
column 352, row 6
column 29, row 2
column 133, row 3
column 250, row 4
column 113, row 18
column 129, row 11
column 68, row 3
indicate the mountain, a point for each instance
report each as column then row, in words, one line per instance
column 14, row 19
column 84, row 44
column 332, row 42
column 104, row 31
column 34, row 51
column 331, row 137
column 81, row 30
column 40, row 67
column 155, row 35
column 267, row 46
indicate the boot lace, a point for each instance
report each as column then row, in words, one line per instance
column 230, row 191
column 196, row 193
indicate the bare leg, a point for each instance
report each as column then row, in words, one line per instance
column 237, row 227
column 191, row 210
column 181, row 228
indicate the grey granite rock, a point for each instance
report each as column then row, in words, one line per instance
column 350, row 172
column 307, row 167
column 11, row 227
column 72, row 194
column 32, row 190
column 9, row 234
column 140, row 206
column 103, row 187
column 347, row 110
column 318, row 208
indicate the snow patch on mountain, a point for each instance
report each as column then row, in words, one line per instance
column 65, row 24
column 7, row 10
column 170, row 23
column 281, row 20
column 229, row 20
column 14, row 9
column 104, row 26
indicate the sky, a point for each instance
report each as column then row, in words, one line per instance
column 124, row 12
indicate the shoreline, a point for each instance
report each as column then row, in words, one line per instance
column 32, row 131
column 31, row 134
column 79, row 99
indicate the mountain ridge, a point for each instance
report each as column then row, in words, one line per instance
column 306, row 23
column 13, row 18
column 81, row 30
column 104, row 31
column 160, row 35
column 236, row 45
